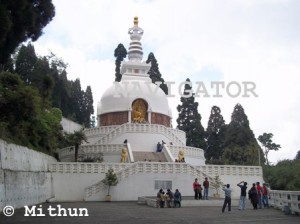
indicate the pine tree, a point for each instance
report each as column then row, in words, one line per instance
column 297, row 155
column 189, row 119
column 240, row 145
column 25, row 63
column 215, row 136
column 155, row 73
column 88, row 108
column 120, row 54
column 77, row 101
column 20, row 21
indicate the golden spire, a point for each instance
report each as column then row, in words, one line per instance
column 136, row 21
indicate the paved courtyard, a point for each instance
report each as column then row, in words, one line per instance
column 131, row 212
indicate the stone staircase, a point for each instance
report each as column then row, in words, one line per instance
column 149, row 156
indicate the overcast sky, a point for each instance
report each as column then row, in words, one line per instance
column 233, row 41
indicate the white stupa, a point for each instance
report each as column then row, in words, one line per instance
column 133, row 117
column 137, row 111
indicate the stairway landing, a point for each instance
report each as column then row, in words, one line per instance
column 149, row 156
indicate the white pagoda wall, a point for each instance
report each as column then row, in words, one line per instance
column 24, row 176
column 70, row 186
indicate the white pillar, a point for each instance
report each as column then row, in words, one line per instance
column 129, row 115
column 149, row 115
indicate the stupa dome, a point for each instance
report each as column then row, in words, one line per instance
column 135, row 98
column 120, row 97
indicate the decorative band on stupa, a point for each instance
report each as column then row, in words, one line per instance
column 135, row 51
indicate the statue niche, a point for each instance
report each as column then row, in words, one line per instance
column 139, row 111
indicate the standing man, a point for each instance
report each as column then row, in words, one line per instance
column 227, row 190
column 265, row 195
column 170, row 198
column 206, row 186
column 196, row 187
column 259, row 195
column 253, row 196
column 243, row 187
column 177, row 198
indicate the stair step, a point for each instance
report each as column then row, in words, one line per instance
column 149, row 156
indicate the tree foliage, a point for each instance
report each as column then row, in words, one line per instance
column 298, row 155
column 266, row 140
column 155, row 74
column 110, row 179
column 189, row 119
column 75, row 139
column 215, row 136
column 216, row 183
column 120, row 54
column 284, row 175
column 21, row 20
column 240, row 145
column 23, row 118
column 48, row 74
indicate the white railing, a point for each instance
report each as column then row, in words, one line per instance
column 179, row 133
column 285, row 200
column 187, row 150
column 168, row 154
column 214, row 170
column 131, row 158
column 93, row 132
column 67, row 167
column 149, row 167
column 68, row 153
column 142, row 128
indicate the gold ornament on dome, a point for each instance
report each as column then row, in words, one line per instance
column 139, row 111
column 136, row 21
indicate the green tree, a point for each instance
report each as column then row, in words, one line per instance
column 35, row 71
column 21, row 20
column 61, row 94
column 189, row 119
column 23, row 119
column 284, row 175
column 217, row 184
column 266, row 140
column 75, row 139
column 120, row 54
column 215, row 136
column 240, row 145
column 154, row 72
column 50, row 130
column 25, row 63
column 110, row 179
column 77, row 100
column 298, row 155
column 88, row 108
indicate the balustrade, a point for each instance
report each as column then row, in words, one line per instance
column 285, row 200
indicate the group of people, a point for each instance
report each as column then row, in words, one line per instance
column 198, row 189
column 169, row 199
column 258, row 195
